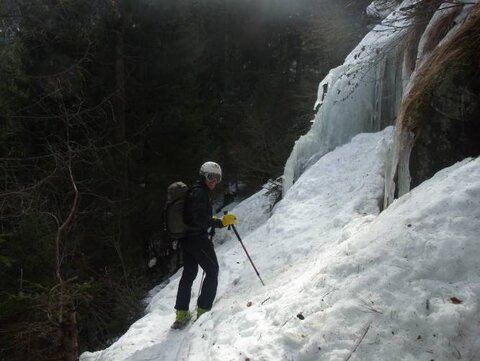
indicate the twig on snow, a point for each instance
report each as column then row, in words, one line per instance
column 265, row 301
column 359, row 341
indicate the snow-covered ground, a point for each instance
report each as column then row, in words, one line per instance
column 343, row 281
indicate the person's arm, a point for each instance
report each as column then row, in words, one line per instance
column 197, row 210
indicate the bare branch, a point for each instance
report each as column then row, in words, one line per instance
column 359, row 341
column 31, row 188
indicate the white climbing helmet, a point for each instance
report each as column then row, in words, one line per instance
column 211, row 170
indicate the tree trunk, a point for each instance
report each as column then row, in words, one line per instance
column 120, row 80
column 70, row 336
column 126, row 224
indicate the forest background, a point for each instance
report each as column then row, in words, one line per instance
column 103, row 103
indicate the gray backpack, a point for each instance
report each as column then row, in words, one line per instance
column 174, row 209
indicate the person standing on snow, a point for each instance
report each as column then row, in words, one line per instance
column 198, row 247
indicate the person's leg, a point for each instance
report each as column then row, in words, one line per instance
column 207, row 259
column 190, row 270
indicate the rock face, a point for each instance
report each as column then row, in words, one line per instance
column 442, row 106
column 452, row 130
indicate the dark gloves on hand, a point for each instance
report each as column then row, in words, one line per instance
column 217, row 223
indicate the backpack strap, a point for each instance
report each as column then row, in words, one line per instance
column 191, row 230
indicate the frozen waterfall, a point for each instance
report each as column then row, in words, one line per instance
column 362, row 95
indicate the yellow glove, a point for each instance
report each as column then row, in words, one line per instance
column 229, row 219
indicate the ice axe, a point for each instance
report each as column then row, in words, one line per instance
column 246, row 252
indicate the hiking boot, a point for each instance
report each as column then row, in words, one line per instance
column 181, row 319
column 200, row 311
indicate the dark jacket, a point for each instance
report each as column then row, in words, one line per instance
column 198, row 210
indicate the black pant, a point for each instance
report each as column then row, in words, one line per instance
column 198, row 250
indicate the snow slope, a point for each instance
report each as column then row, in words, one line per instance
column 403, row 284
